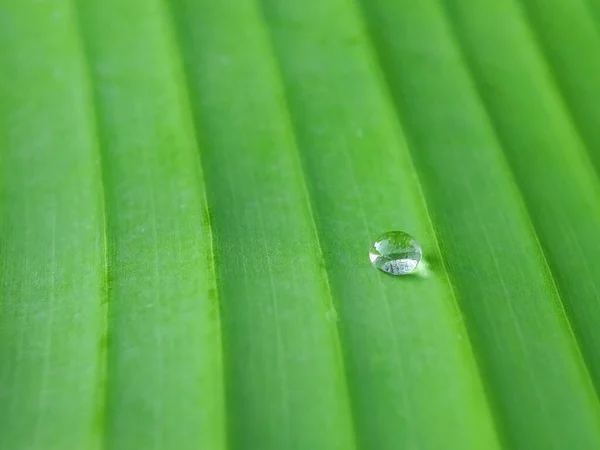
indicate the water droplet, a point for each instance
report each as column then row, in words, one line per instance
column 396, row 252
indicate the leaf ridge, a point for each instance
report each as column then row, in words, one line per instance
column 566, row 99
column 291, row 134
column 379, row 67
column 175, row 34
column 511, row 176
column 561, row 94
column 105, row 299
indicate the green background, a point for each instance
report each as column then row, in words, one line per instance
column 189, row 189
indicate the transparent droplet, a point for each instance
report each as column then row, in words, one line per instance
column 396, row 252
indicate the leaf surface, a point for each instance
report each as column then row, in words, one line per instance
column 189, row 189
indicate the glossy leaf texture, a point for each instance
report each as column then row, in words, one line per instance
column 189, row 190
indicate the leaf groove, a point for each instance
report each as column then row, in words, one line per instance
column 278, row 18
column 330, row 303
column 176, row 36
column 383, row 82
column 411, row 47
column 574, row 93
column 105, row 295
column 476, row 80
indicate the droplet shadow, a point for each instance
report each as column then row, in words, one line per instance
column 428, row 267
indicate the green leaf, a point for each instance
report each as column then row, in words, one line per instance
column 189, row 189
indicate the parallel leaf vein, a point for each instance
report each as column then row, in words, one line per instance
column 511, row 176
column 384, row 83
column 105, row 294
column 290, row 125
column 210, row 237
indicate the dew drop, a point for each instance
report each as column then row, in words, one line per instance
column 396, row 252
